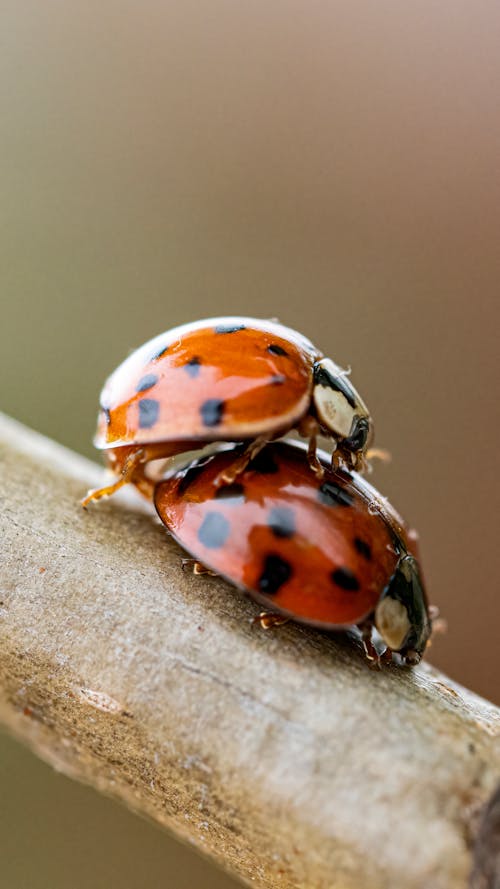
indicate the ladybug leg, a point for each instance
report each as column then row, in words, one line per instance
column 268, row 620
column 371, row 653
column 336, row 462
column 131, row 470
column 439, row 624
column 309, row 428
column 197, row 567
column 381, row 454
column 238, row 467
column 312, row 458
column 386, row 656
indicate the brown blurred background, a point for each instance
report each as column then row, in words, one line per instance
column 336, row 165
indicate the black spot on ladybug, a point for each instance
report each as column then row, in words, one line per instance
column 229, row 328
column 191, row 473
column 345, row 579
column 278, row 379
column 211, row 411
column 159, row 354
column 192, row 367
column 214, row 530
column 146, row 382
column 363, row 548
column 232, row 492
column 149, row 410
column 276, row 572
column 337, row 382
column 264, row 463
column 333, row 495
column 274, row 349
column 282, row 522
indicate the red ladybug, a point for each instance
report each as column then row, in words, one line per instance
column 225, row 379
column 327, row 552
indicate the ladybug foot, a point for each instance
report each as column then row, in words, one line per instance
column 197, row 567
column 371, row 655
column 267, row 620
column 131, row 470
column 309, row 429
column 314, row 463
column 107, row 491
column 375, row 660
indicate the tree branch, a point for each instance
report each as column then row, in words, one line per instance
column 281, row 754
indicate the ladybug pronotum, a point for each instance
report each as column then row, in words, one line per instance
column 329, row 552
column 226, row 379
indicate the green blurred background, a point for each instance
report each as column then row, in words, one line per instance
column 335, row 165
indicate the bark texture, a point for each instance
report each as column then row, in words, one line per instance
column 281, row 754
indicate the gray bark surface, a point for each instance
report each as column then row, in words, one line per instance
column 280, row 753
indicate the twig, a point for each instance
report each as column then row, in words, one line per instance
column 281, row 753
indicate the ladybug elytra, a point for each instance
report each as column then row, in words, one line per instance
column 226, row 379
column 328, row 552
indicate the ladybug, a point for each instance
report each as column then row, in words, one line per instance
column 328, row 552
column 225, row 379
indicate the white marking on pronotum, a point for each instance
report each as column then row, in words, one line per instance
column 392, row 622
column 337, row 408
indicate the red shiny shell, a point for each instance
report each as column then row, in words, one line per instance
column 321, row 552
column 222, row 378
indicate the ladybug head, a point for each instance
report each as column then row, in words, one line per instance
column 402, row 615
column 341, row 411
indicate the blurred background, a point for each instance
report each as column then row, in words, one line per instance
column 335, row 165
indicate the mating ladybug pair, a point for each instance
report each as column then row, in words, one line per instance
column 300, row 531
